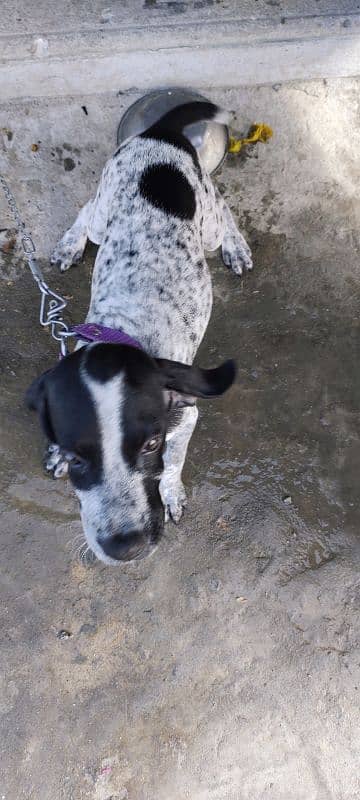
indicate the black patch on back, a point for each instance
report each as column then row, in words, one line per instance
column 165, row 187
column 174, row 138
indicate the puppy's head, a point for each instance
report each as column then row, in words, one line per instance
column 109, row 407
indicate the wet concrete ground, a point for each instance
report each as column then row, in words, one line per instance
column 226, row 667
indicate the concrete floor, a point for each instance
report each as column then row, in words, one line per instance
column 227, row 666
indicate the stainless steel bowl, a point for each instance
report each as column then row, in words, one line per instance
column 211, row 139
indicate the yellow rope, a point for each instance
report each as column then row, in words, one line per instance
column 259, row 132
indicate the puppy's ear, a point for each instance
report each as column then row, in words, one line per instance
column 185, row 383
column 36, row 400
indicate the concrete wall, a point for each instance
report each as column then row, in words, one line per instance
column 75, row 49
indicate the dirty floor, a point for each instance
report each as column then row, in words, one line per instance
column 226, row 667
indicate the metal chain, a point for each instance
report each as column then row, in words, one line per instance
column 51, row 304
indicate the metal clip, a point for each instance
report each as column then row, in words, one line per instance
column 28, row 250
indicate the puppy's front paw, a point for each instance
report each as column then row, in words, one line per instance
column 63, row 257
column 173, row 497
column 55, row 462
column 236, row 253
column 68, row 251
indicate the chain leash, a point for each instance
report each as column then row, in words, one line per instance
column 51, row 303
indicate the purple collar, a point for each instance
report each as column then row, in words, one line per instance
column 92, row 332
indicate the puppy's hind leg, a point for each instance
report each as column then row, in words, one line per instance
column 71, row 247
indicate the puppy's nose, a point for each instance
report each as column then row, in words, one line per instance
column 124, row 546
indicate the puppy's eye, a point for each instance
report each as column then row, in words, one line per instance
column 152, row 444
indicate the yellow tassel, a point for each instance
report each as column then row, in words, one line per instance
column 259, row 132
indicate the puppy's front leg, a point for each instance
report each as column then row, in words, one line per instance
column 171, row 487
column 219, row 228
column 235, row 250
column 55, row 462
column 71, row 247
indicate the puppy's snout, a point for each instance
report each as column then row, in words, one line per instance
column 124, row 546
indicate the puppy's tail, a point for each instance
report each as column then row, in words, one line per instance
column 198, row 111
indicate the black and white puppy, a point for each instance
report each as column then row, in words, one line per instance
column 119, row 419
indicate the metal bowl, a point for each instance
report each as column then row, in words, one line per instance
column 211, row 139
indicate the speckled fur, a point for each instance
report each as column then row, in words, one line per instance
column 151, row 277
